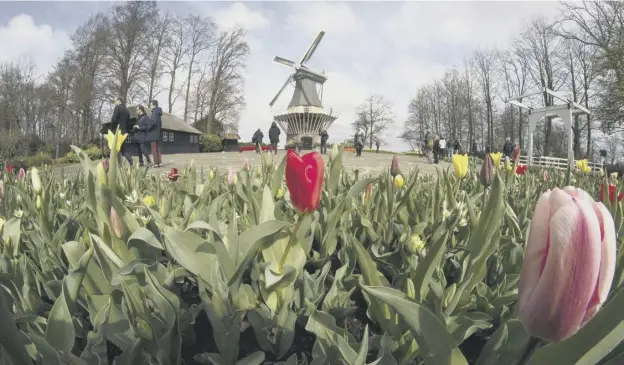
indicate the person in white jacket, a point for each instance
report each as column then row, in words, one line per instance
column 442, row 146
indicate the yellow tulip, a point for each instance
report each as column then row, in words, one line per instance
column 399, row 181
column 110, row 137
column 460, row 165
column 211, row 175
column 280, row 193
column 583, row 166
column 496, row 159
column 149, row 201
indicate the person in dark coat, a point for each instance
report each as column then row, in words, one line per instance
column 359, row 143
column 142, row 129
column 436, row 149
column 377, row 144
column 508, row 148
column 153, row 136
column 257, row 139
column 324, row 138
column 457, row 147
column 120, row 119
column 274, row 134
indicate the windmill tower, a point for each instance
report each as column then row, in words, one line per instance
column 305, row 117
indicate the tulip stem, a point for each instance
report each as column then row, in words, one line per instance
column 291, row 242
column 533, row 345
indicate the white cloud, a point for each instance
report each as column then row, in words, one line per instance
column 22, row 38
column 238, row 14
column 313, row 17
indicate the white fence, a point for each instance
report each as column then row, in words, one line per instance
column 556, row 162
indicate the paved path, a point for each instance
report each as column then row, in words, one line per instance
column 369, row 163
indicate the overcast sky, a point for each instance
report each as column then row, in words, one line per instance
column 387, row 48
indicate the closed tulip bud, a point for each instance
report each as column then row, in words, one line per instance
column 1, row 189
column 101, row 174
column 211, row 175
column 36, row 180
column 487, row 171
column 568, row 266
column 246, row 165
column 21, row 173
column 38, row 202
column 334, row 152
column 399, row 181
column 164, row 207
column 105, row 164
column 614, row 176
column 232, row 177
column 117, row 226
column 279, row 194
column 394, row 167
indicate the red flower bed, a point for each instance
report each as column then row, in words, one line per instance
column 253, row 148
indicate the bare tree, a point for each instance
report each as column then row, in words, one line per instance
column 222, row 95
column 485, row 65
column 175, row 52
column 201, row 38
column 540, row 47
column 155, row 61
column 130, row 28
column 373, row 116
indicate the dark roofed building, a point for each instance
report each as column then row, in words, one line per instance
column 177, row 136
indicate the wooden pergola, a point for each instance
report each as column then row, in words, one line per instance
column 565, row 111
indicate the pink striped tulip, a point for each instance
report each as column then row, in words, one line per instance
column 568, row 265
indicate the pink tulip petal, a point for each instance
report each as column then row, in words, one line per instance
column 558, row 302
column 607, row 261
column 536, row 250
column 578, row 193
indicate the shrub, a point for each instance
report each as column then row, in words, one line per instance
column 210, row 143
column 94, row 152
column 71, row 157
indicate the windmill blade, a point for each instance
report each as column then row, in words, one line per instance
column 282, row 89
column 284, row 61
column 306, row 57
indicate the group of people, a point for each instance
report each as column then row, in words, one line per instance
column 145, row 133
column 435, row 146
column 274, row 136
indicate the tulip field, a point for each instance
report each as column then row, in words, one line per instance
column 306, row 262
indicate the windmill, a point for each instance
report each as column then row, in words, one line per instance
column 305, row 118
column 306, row 94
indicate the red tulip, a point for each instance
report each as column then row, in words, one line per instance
column 611, row 193
column 304, row 178
column 568, row 266
column 521, row 169
column 9, row 169
column 173, row 175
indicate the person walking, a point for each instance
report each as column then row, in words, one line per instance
column 436, row 149
column 508, row 147
column 257, row 139
column 324, row 138
column 457, row 147
column 274, row 134
column 154, row 135
column 442, row 143
column 450, row 149
column 377, row 143
column 359, row 143
column 143, row 126
column 119, row 120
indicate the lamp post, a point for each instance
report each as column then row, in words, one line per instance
column 51, row 129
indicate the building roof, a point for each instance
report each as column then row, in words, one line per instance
column 169, row 122
column 229, row 136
